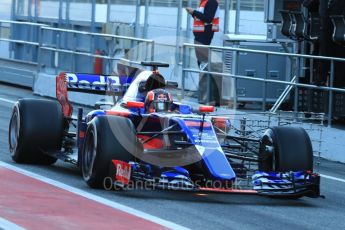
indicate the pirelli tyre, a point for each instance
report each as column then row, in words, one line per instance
column 107, row 138
column 35, row 129
column 284, row 149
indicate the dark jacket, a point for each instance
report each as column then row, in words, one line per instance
column 207, row 17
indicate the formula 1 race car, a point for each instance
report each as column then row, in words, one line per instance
column 146, row 136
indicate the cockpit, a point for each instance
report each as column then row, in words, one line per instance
column 142, row 84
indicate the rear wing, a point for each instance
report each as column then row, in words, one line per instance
column 88, row 83
column 93, row 84
column 96, row 84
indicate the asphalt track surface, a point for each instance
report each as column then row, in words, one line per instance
column 203, row 210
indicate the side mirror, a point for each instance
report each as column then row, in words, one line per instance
column 135, row 105
column 206, row 109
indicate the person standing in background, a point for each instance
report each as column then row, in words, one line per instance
column 206, row 23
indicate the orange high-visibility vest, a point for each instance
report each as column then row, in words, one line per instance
column 199, row 26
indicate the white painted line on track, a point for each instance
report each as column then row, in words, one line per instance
column 332, row 178
column 7, row 225
column 79, row 192
column 7, row 101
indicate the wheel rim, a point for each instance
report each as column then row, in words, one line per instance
column 89, row 155
column 14, row 132
column 268, row 149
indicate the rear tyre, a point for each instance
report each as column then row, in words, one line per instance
column 36, row 128
column 284, row 149
column 107, row 138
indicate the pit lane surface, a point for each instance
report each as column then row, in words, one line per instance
column 201, row 210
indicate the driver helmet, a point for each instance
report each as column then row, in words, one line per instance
column 158, row 100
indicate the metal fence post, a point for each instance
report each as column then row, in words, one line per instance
column 234, row 70
column 93, row 29
column 56, row 56
column 137, row 18
column 264, row 88
column 28, row 48
column 31, row 54
column 60, row 13
column 36, row 11
column 20, row 9
column 73, row 69
column 189, row 19
column 184, row 66
column 330, row 99
column 178, row 33
column 68, row 6
column 39, row 64
column 226, row 16
column 152, row 51
column 29, row 10
column 238, row 16
column 93, row 16
column 209, row 76
column 188, row 34
column 296, row 86
column 13, row 10
column 146, row 19
column 13, row 18
column 108, row 10
column 137, row 34
column 92, row 48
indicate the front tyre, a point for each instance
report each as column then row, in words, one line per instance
column 107, row 138
column 284, row 149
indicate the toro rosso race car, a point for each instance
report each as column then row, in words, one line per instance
column 146, row 136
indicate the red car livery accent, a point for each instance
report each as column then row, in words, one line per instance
column 123, row 171
column 118, row 113
column 206, row 109
column 62, row 94
column 154, row 143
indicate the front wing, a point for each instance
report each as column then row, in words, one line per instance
column 284, row 185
